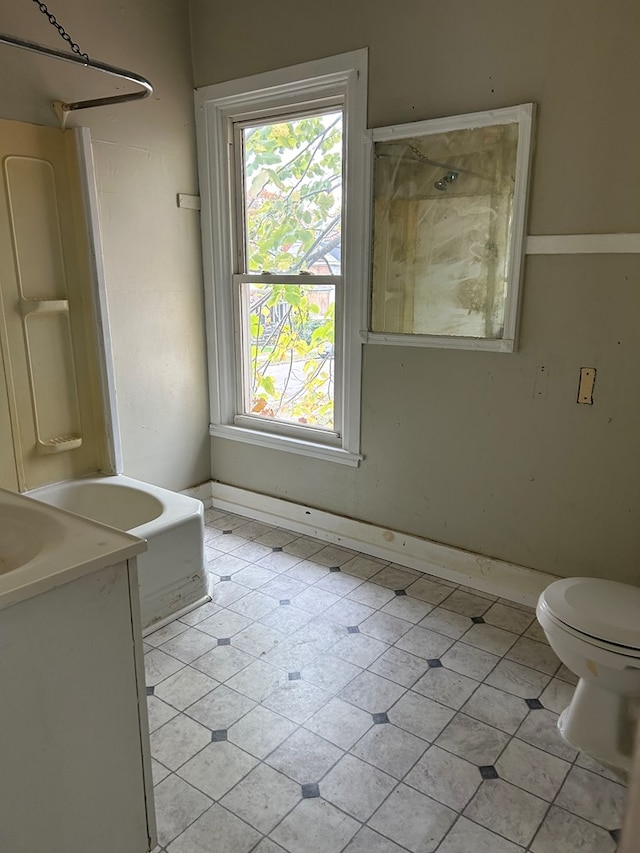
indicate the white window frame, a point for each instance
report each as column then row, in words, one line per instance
column 523, row 115
column 338, row 78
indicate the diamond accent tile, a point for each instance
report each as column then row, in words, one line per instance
column 400, row 591
column 353, row 629
column 378, row 719
column 219, row 735
column 310, row 790
column 488, row 772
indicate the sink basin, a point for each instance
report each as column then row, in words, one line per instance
column 23, row 533
column 43, row 547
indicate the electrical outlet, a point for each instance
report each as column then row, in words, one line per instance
column 585, row 388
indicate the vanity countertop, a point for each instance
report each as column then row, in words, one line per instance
column 42, row 547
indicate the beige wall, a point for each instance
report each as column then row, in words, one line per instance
column 457, row 449
column 144, row 155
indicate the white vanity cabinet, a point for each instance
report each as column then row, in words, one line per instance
column 75, row 768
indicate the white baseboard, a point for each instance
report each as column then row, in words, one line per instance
column 201, row 492
column 485, row 574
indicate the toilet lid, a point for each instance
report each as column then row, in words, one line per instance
column 607, row 610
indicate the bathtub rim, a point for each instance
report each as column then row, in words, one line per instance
column 176, row 508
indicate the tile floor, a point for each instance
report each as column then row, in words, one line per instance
column 327, row 701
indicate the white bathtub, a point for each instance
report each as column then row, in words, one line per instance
column 171, row 572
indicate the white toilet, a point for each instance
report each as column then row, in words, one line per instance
column 594, row 627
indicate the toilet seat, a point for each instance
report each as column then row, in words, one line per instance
column 604, row 613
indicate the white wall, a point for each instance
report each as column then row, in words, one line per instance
column 457, row 449
column 144, row 155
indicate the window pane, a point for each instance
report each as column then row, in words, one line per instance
column 443, row 209
column 293, row 195
column 288, row 352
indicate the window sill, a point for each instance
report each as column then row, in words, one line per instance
column 283, row 442
column 439, row 342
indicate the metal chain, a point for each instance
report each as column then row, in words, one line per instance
column 65, row 35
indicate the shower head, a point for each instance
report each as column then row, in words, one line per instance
column 445, row 180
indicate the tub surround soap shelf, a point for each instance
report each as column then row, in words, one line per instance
column 59, row 444
column 51, row 364
column 44, row 306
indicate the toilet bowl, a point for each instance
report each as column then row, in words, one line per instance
column 593, row 626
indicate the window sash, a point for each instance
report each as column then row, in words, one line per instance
column 236, row 164
column 245, row 418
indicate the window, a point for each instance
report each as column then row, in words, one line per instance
column 282, row 173
column 449, row 211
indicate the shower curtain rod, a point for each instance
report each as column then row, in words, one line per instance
column 62, row 109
